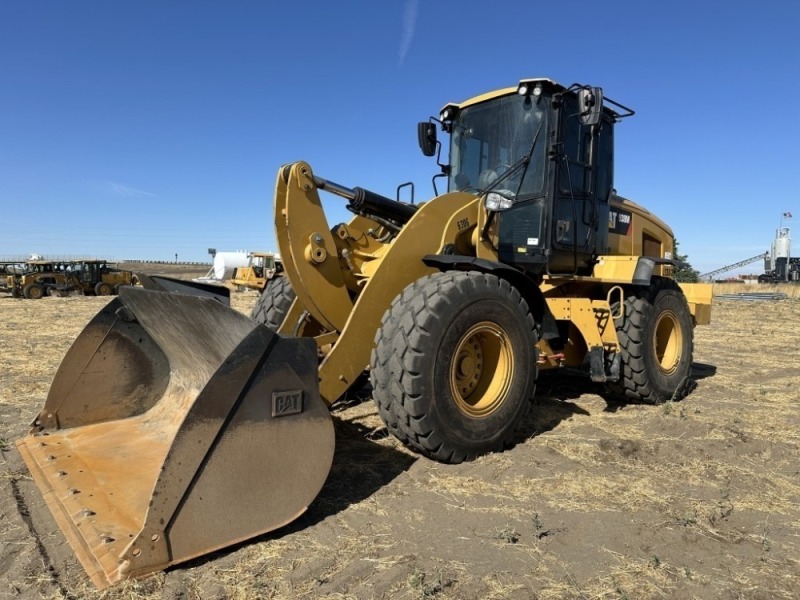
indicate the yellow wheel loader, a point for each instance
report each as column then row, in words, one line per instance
column 261, row 267
column 176, row 426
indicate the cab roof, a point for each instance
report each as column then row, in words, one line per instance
column 544, row 81
column 550, row 87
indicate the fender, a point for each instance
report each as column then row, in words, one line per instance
column 529, row 290
column 644, row 268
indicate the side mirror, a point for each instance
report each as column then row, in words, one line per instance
column 426, row 133
column 590, row 105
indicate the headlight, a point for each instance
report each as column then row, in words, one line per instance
column 497, row 202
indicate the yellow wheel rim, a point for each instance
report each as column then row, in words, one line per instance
column 667, row 342
column 481, row 369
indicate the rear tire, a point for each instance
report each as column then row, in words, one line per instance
column 656, row 339
column 33, row 291
column 274, row 303
column 454, row 367
column 103, row 289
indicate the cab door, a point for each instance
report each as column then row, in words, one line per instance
column 583, row 184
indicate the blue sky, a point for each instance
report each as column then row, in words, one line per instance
column 149, row 128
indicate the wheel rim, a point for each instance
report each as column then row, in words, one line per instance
column 667, row 342
column 481, row 369
column 35, row 293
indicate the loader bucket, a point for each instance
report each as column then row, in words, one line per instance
column 176, row 426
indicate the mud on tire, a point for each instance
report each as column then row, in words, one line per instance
column 656, row 339
column 454, row 365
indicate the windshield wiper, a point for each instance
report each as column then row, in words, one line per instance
column 523, row 163
column 525, row 160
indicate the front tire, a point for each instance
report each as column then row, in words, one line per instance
column 33, row 291
column 103, row 289
column 274, row 302
column 454, row 367
column 656, row 339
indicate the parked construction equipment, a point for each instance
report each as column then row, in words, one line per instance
column 99, row 278
column 261, row 267
column 44, row 277
column 176, row 426
column 8, row 271
column 39, row 278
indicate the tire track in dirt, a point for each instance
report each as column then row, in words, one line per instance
column 15, row 478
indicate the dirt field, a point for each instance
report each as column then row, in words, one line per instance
column 696, row 499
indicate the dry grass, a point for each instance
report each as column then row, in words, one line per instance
column 692, row 499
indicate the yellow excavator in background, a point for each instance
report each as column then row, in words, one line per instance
column 176, row 426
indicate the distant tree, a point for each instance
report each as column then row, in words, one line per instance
column 684, row 271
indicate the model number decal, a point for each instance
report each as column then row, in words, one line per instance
column 619, row 221
column 462, row 224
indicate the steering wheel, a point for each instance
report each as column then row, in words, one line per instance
column 486, row 178
column 502, row 168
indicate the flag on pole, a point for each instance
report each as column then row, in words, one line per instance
column 787, row 215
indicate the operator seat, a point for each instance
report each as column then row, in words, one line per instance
column 486, row 178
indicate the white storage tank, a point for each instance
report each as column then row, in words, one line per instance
column 783, row 243
column 781, row 248
column 226, row 262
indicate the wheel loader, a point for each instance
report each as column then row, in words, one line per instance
column 261, row 267
column 176, row 426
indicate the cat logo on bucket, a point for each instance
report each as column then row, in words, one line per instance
column 287, row 403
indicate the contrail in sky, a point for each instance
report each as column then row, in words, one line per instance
column 410, row 13
column 123, row 190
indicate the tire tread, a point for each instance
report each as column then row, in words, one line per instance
column 634, row 384
column 398, row 360
column 274, row 302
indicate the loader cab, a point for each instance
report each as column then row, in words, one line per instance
column 541, row 156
